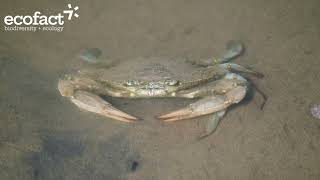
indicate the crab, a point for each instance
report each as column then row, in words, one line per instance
column 216, row 83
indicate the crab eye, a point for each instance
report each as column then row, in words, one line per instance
column 171, row 82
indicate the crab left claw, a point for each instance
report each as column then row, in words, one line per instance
column 207, row 105
column 93, row 103
column 77, row 91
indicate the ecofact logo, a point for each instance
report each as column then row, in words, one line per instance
column 40, row 22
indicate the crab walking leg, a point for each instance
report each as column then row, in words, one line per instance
column 93, row 103
column 233, row 50
column 213, row 123
column 232, row 67
column 207, row 105
column 221, row 86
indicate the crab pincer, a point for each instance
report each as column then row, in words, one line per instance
column 93, row 103
column 207, row 105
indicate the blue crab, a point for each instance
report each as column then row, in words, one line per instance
column 214, row 81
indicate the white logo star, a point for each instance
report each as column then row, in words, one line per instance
column 71, row 12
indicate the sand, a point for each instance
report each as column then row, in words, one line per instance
column 44, row 136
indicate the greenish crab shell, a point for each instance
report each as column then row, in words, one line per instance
column 152, row 88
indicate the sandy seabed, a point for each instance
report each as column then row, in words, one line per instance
column 44, row 136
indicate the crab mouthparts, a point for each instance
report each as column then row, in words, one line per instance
column 152, row 92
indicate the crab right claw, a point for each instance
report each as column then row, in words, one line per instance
column 206, row 105
column 93, row 103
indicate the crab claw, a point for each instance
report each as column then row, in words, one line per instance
column 184, row 113
column 93, row 103
column 206, row 105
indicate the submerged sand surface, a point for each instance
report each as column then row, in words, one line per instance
column 44, row 136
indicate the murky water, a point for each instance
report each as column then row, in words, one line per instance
column 44, row 136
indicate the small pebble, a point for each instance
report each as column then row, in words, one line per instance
column 315, row 111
